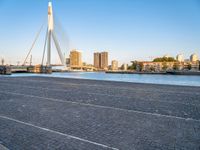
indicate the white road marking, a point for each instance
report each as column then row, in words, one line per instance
column 110, row 95
column 105, row 107
column 56, row 132
column 3, row 147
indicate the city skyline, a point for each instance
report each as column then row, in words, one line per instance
column 128, row 30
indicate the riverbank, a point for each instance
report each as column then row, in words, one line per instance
column 194, row 73
column 42, row 112
column 135, row 78
column 135, row 72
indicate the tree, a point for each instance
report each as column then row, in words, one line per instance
column 140, row 66
column 164, row 59
column 189, row 66
column 152, row 69
column 164, row 67
column 171, row 59
column 133, row 66
column 176, row 66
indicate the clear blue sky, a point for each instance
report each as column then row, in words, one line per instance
column 127, row 29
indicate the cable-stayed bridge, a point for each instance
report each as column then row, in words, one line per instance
column 50, row 39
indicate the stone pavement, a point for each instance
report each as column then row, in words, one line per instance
column 55, row 113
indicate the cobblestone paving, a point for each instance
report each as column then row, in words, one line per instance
column 54, row 113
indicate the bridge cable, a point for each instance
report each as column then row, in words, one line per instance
column 33, row 44
column 44, row 47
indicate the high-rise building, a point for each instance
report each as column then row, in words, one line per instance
column 97, row 59
column 75, row 58
column 180, row 58
column 193, row 58
column 104, row 60
column 114, row 65
column 101, row 60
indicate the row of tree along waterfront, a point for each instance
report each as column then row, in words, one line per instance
column 158, row 65
column 161, row 64
column 164, row 64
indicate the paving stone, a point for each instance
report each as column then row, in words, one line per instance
column 98, row 114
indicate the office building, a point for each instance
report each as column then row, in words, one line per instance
column 97, row 59
column 75, row 58
column 104, row 60
column 194, row 58
column 114, row 65
column 180, row 58
column 101, row 60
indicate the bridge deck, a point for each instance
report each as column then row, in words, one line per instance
column 54, row 113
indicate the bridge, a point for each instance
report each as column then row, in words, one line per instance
column 50, row 38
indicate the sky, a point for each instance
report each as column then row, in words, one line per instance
column 127, row 29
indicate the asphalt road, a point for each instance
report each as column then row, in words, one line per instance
column 72, row 114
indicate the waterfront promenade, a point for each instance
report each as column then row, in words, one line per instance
column 55, row 113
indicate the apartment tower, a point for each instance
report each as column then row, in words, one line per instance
column 101, row 60
column 75, row 58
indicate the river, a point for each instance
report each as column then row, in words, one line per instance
column 136, row 78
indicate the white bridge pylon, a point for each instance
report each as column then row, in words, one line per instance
column 52, row 36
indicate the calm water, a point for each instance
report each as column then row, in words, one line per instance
column 155, row 79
